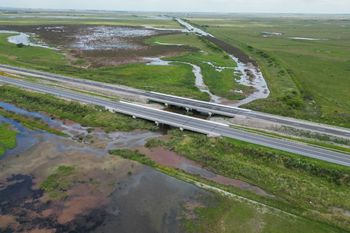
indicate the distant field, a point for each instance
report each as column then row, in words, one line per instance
column 65, row 18
column 309, row 79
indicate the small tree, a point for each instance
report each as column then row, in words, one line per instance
column 20, row 45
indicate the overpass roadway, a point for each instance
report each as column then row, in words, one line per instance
column 202, row 106
column 188, row 123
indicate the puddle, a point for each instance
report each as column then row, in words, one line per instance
column 250, row 76
column 306, row 38
column 25, row 39
column 219, row 68
column 341, row 211
column 156, row 61
column 168, row 158
column 168, row 44
column 268, row 34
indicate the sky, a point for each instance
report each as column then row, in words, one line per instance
column 255, row 6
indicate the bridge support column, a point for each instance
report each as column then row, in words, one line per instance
column 187, row 109
column 181, row 129
column 134, row 117
column 157, row 123
column 166, row 104
column 210, row 114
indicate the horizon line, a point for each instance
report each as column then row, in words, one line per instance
column 158, row 11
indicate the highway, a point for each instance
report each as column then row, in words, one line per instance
column 202, row 106
column 188, row 123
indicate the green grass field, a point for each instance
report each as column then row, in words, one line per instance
column 7, row 138
column 220, row 83
column 308, row 79
column 303, row 186
column 226, row 215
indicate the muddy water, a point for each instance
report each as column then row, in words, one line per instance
column 107, row 141
column 171, row 159
column 251, row 76
column 107, row 192
column 148, row 202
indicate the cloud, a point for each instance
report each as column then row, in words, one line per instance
column 302, row 6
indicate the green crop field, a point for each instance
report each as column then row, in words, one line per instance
column 308, row 79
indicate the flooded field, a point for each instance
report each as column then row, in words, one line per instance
column 107, row 38
column 247, row 70
column 105, row 191
column 251, row 76
column 100, row 45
